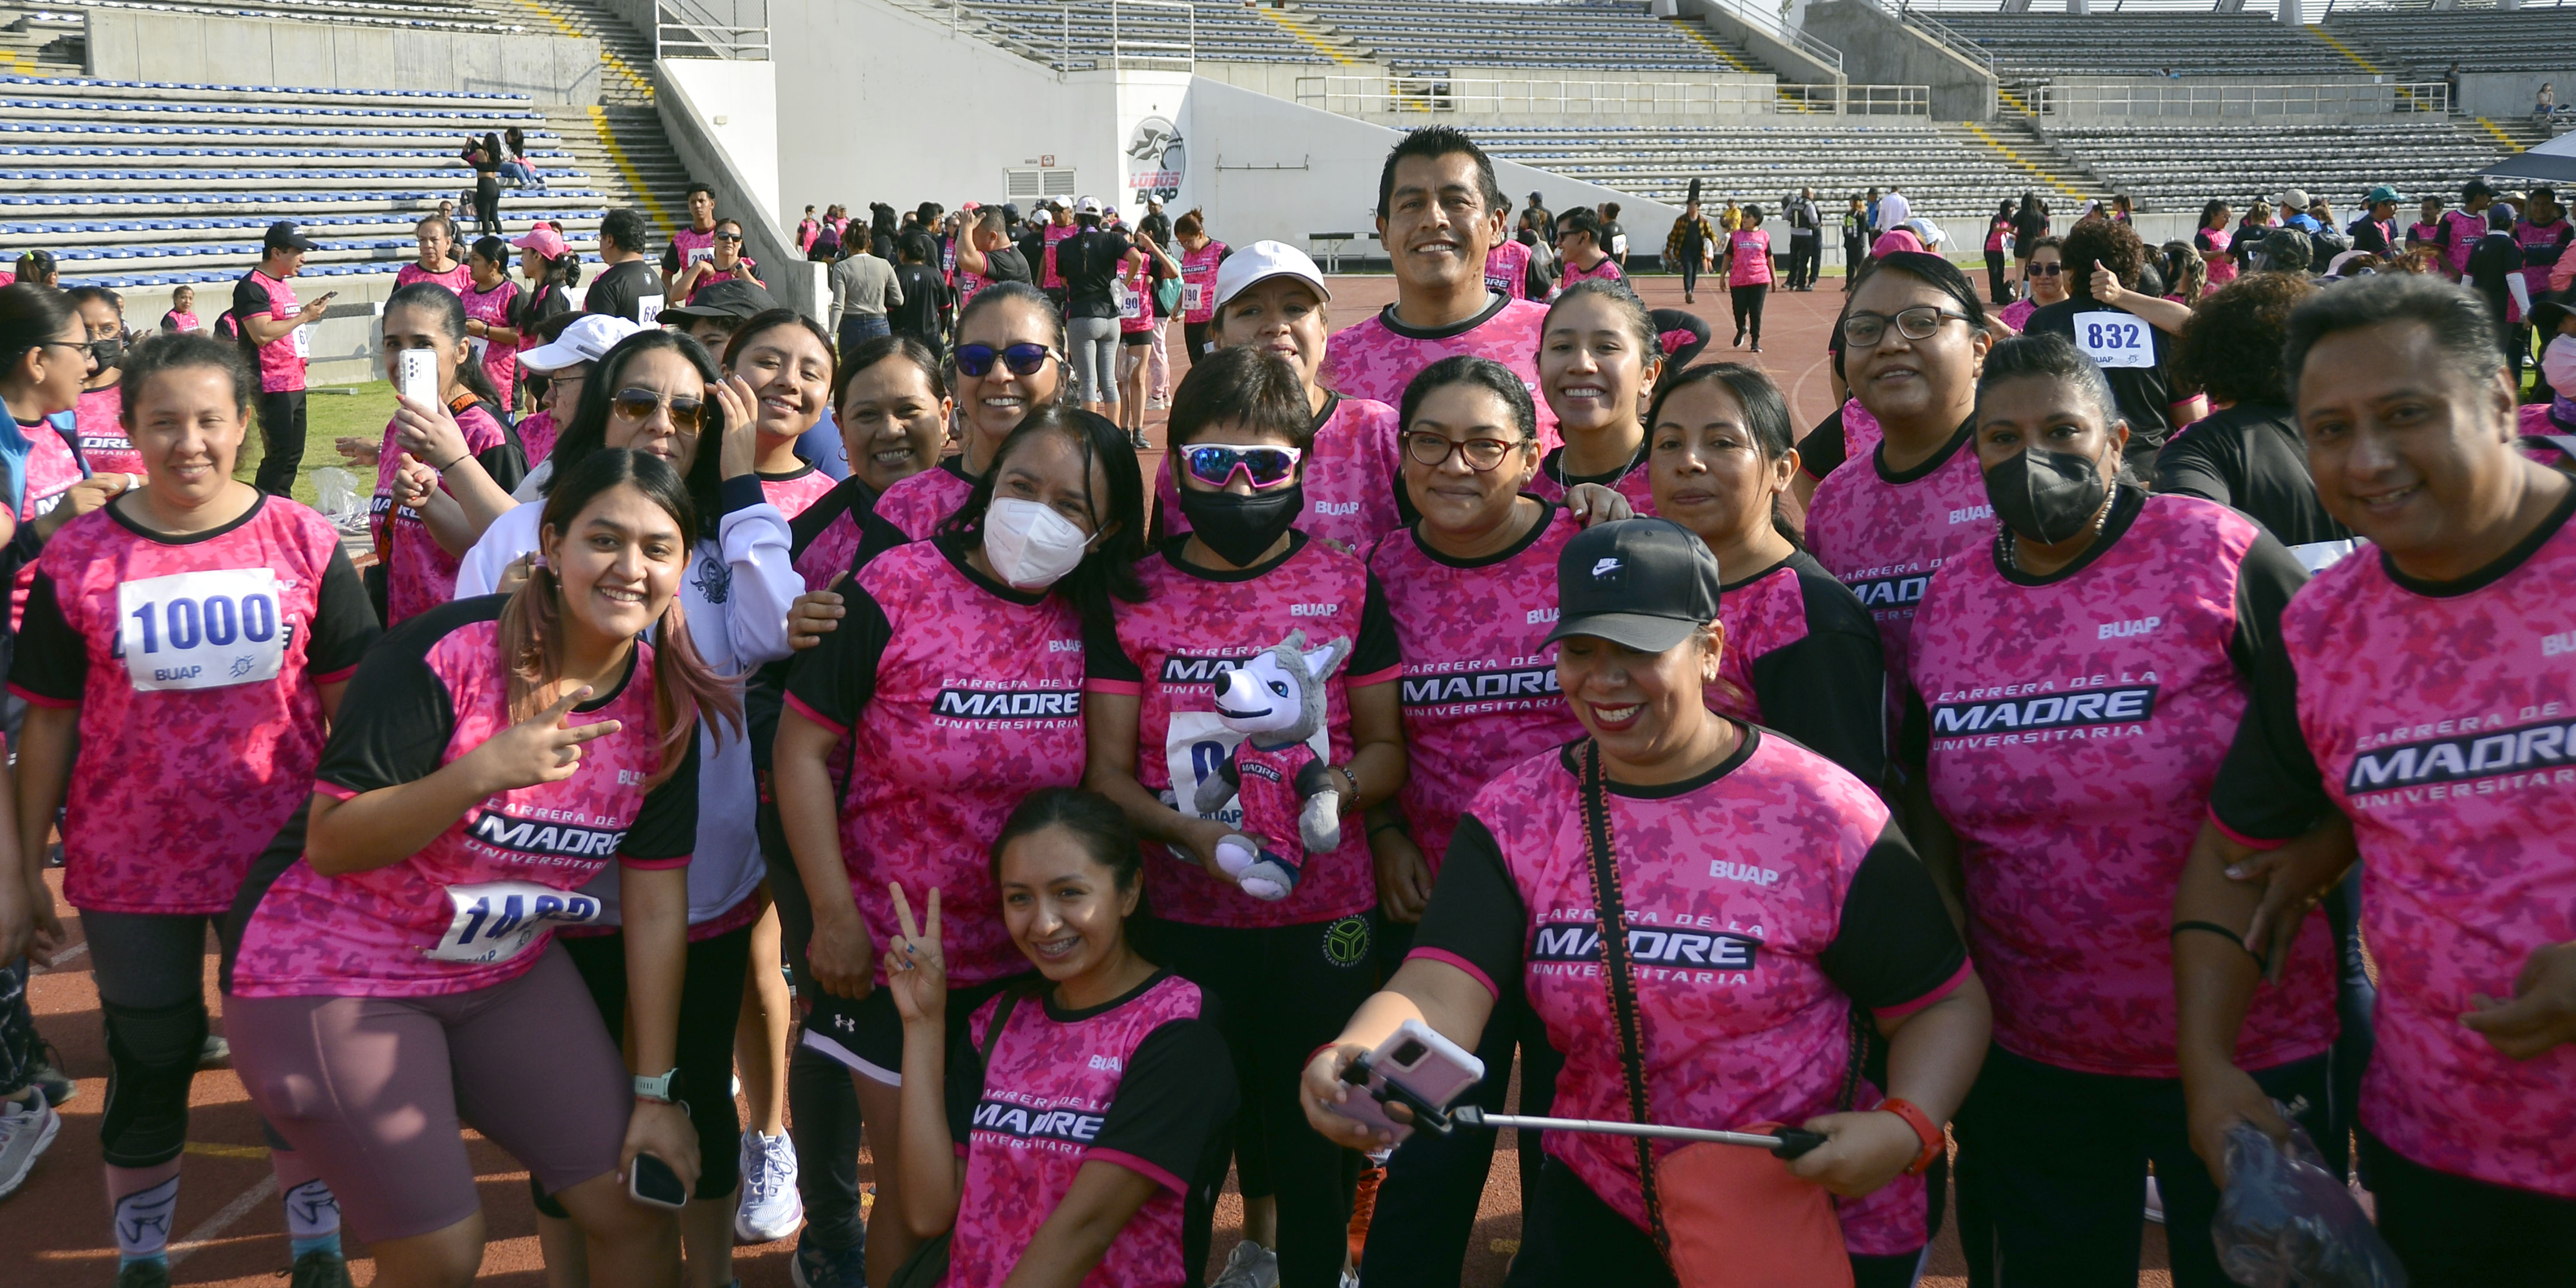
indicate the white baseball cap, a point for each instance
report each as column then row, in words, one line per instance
column 587, row 339
column 1261, row 261
column 1087, row 206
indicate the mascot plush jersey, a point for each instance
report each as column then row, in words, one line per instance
column 1276, row 701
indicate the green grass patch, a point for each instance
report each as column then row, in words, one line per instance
column 330, row 413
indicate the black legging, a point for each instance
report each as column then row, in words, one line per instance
column 487, row 202
column 1748, row 308
column 1995, row 276
column 1194, row 337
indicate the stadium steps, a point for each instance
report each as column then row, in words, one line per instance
column 627, row 157
column 2508, row 136
column 1317, row 34
column 625, row 54
column 1697, row 33
column 2026, row 149
column 2340, row 47
column 38, row 42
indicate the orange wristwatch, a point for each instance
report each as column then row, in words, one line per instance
column 1934, row 1143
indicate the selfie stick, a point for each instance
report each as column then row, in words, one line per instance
column 1787, row 1142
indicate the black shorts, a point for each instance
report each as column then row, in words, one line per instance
column 867, row 1035
column 1135, row 339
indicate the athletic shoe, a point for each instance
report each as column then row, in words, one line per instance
column 1140, row 442
column 1364, row 1206
column 1757, row 346
column 27, row 1130
column 2155, row 1202
column 1350, row 1279
column 771, row 1209
column 815, row 1266
column 47, row 1074
column 1249, row 1266
column 215, row 1054
column 320, row 1268
column 152, row 1274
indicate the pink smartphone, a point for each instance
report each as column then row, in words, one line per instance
column 1423, row 1063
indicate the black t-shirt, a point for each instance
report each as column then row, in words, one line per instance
column 2496, row 257
column 1007, row 265
column 2370, row 235
column 2250, row 457
column 2027, row 229
column 531, row 308
column 925, row 297
column 1088, row 262
column 1157, row 227
column 2144, row 393
column 1826, row 691
column 617, row 290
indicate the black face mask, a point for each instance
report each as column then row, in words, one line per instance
column 1240, row 528
column 2047, row 496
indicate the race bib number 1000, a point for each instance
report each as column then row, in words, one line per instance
column 201, row 630
column 498, row 920
column 2115, row 339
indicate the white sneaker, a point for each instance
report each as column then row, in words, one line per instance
column 771, row 1209
column 2155, row 1202
column 28, row 1129
column 1249, row 1266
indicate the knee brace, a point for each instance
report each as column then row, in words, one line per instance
column 152, row 1057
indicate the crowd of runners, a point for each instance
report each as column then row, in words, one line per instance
column 2000, row 780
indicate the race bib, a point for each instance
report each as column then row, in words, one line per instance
column 1193, row 296
column 475, row 345
column 703, row 255
column 1131, row 302
column 648, row 309
column 2317, row 556
column 2115, row 339
column 498, row 920
column 1197, row 744
column 201, row 630
column 303, row 337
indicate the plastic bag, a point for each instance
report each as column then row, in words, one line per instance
column 2284, row 1221
column 335, row 495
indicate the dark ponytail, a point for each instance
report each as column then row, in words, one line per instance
column 1766, row 420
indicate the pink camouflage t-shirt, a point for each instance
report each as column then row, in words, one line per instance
column 1198, row 281
column 537, row 434
column 960, row 696
column 1144, row 1082
column 839, row 531
column 916, row 506
column 1167, row 650
column 476, row 906
column 2450, row 742
column 2076, row 724
column 1507, row 270
column 493, row 308
column 51, row 471
column 419, row 573
column 99, row 421
column 796, row 490
column 1479, row 688
column 1737, row 887
column 1803, row 657
column 196, row 664
column 1607, row 270
column 1886, row 533
column 1352, row 473
column 459, row 279
column 1377, row 358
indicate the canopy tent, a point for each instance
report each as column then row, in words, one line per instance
column 2552, row 162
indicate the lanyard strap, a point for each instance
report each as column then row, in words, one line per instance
column 1622, row 979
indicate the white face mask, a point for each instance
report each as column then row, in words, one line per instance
column 2558, row 364
column 1030, row 545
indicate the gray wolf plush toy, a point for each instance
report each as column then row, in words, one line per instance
column 1276, row 701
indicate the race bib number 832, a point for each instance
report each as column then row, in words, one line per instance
column 2115, row 339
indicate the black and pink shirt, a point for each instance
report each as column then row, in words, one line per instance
column 2076, row 723
column 1633, row 481
column 1803, row 657
column 1507, row 270
column 280, row 361
column 419, row 573
column 196, row 663
column 1167, row 652
column 458, row 279
column 839, row 531
column 52, row 468
column 99, row 421
column 1353, row 472
column 498, row 306
column 1607, row 270
column 2436, row 715
column 1772, row 910
column 960, row 696
column 796, row 490
column 916, row 506
column 1479, row 689
column 1198, row 281
column 1885, row 532
column 1379, row 357
column 475, row 906
column 1143, row 1082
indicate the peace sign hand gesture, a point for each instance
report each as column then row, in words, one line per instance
column 543, row 748
column 915, row 969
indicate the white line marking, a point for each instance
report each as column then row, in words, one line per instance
column 215, row 1225
column 66, row 957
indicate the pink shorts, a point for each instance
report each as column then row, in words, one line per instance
column 374, row 1091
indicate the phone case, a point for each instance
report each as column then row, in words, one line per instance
column 419, row 373
column 1422, row 1062
column 652, row 1181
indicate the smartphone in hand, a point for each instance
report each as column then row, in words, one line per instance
column 651, row 1181
column 416, row 376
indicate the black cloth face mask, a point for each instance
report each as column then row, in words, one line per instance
column 2047, row 496
column 1239, row 528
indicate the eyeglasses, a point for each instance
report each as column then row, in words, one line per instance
column 1022, row 359
column 84, row 346
column 1215, row 463
column 640, row 404
column 730, row 237
column 2046, row 270
column 1861, row 330
column 1482, row 454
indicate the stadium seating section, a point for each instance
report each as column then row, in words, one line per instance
column 1221, row 31
column 1417, row 35
column 2036, row 46
column 1945, row 173
column 2421, row 43
column 136, row 185
column 2179, row 166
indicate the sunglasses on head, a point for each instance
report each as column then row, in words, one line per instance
column 639, row 405
column 1266, row 466
column 1022, row 359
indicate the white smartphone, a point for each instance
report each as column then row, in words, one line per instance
column 1424, row 1064
column 417, row 376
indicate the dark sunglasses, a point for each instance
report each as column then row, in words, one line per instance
column 728, row 237
column 1022, row 359
column 640, row 404
column 2046, row 270
column 1215, row 463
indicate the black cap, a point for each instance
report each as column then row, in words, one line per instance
column 732, row 299
column 283, row 235
column 1642, row 583
column 2476, row 188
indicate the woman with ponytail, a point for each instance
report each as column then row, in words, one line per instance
column 659, row 394
column 445, row 469
column 390, row 966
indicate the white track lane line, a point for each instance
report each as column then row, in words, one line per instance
column 214, row 1226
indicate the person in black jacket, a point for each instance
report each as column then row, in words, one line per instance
column 925, row 296
column 2248, row 454
column 2495, row 273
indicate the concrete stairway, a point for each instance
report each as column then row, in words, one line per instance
column 625, row 54
column 2054, row 174
column 40, row 42
column 628, row 157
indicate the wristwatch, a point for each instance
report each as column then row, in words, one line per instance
column 665, row 1088
column 1934, row 1143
